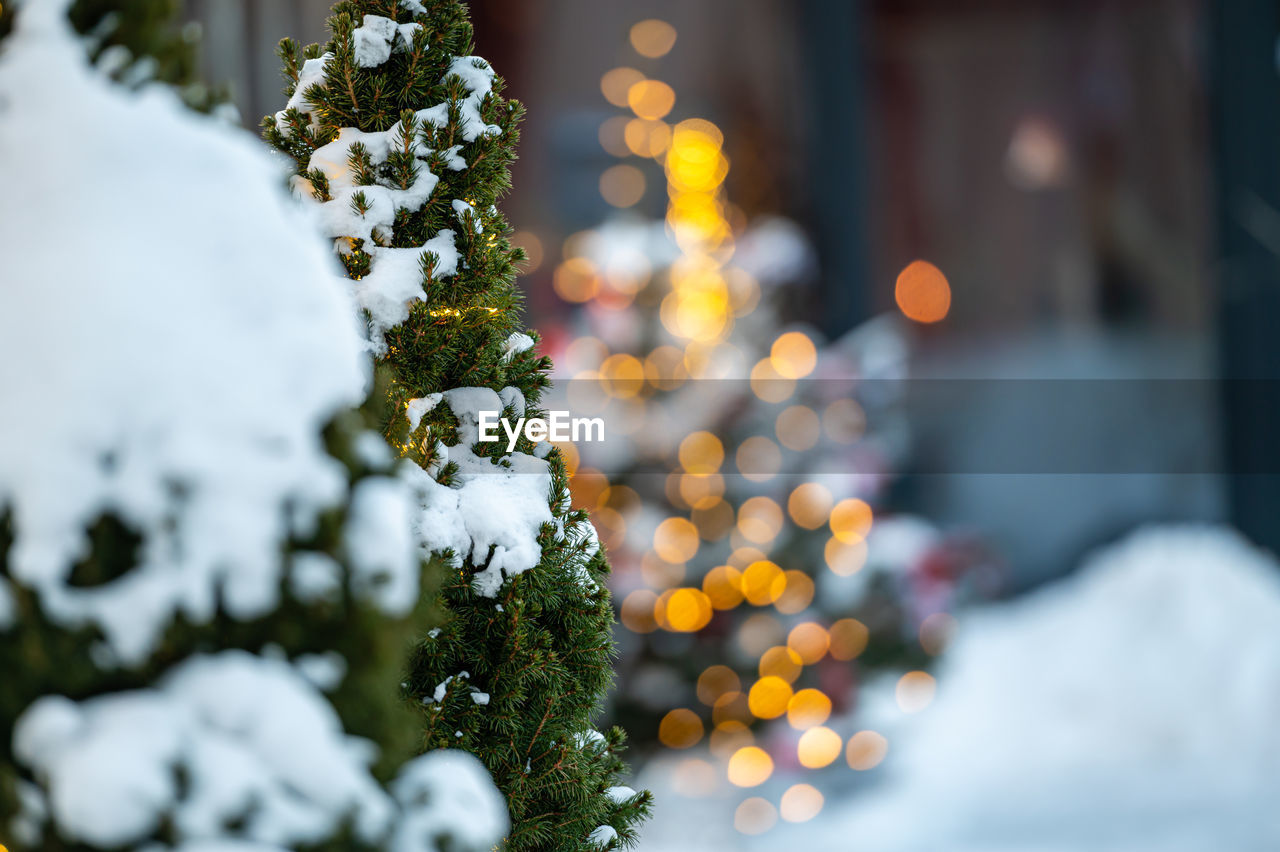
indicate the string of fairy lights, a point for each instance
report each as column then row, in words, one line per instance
column 706, row 296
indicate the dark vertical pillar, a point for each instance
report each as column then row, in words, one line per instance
column 1245, row 96
column 835, row 74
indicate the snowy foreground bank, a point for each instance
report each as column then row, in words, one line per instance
column 1130, row 707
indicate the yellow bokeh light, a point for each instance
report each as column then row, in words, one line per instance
column 763, row 583
column 688, row 610
column 702, row 128
column 701, row 452
column 810, row 505
column 780, row 662
column 801, row 803
column 716, row 681
column 759, row 520
column 651, row 99
column 615, row 84
column 622, row 185
column 576, row 280
column 701, row 491
column 807, row 708
column 844, row 558
column 731, row 707
column 851, row 520
column 681, row 728
column 723, row 587
column 742, row 557
column 866, row 749
column 755, row 816
column 532, row 246
column 587, row 486
column 810, row 642
column 819, row 747
column 770, row 385
column 622, row 375
column 914, row 691
column 798, row 428
column 758, row 633
column 652, row 38
column 744, row 291
column 793, row 355
column 750, row 767
column 848, row 639
column 768, row 697
column 758, row 458
column 676, row 540
column 637, row 611
column 797, row 595
column 646, row 137
column 728, row 737
column 923, row 292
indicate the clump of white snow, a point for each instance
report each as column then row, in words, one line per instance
column 1131, row 707
column 191, row 338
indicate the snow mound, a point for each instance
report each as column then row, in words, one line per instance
column 1130, row 707
column 161, row 270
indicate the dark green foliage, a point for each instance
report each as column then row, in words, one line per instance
column 138, row 40
column 40, row 657
column 542, row 648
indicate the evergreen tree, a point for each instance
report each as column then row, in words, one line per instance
column 137, row 42
column 404, row 140
column 205, row 604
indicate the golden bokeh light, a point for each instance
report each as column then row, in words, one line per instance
column 801, row 803
column 637, row 611
column 798, row 428
column 744, row 291
column 807, row 708
column 610, row 526
column 622, row 185
column 755, row 816
column 676, row 540
column 759, row 520
column 731, row 707
column 651, row 99
column 652, row 38
column 758, row 633
column 576, row 280
column 713, row 519
column 532, row 246
column 797, row 595
column 818, row 747
column 750, row 767
column 716, row 681
column 701, row 490
column 613, row 135
column 658, row 573
column 844, row 421
column 848, row 639
column 866, row 749
column 935, row 632
column 728, row 737
column 810, row 505
column 688, row 610
column 571, row 457
column 681, row 728
column 723, row 587
column 793, row 355
column 646, row 137
column 586, row 488
column 664, row 368
column 758, row 458
column 617, row 83
column 770, row 385
column 695, row 778
column 923, row 292
column 622, row 375
column 914, row 691
column 809, row 641
column 851, row 520
column 742, row 557
column 845, row 558
column 781, row 662
column 768, row 697
column 763, row 583
column 701, row 452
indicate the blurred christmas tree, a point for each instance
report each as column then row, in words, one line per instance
column 403, row 140
column 207, row 582
column 741, row 487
